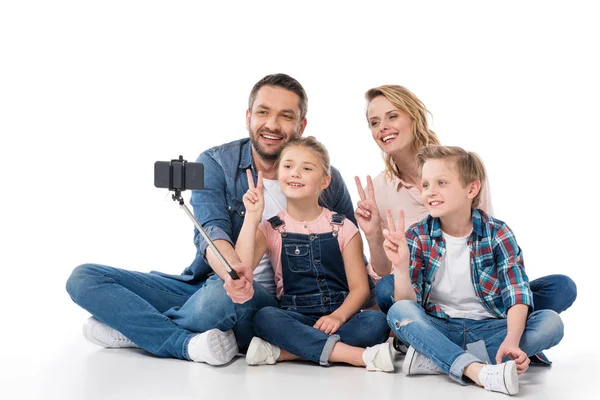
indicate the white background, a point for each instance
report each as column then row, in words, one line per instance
column 93, row 93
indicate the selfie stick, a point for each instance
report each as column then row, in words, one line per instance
column 177, row 197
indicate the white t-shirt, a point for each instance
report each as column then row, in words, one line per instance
column 453, row 287
column 275, row 201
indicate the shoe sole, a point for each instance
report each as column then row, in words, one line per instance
column 511, row 378
column 222, row 346
column 88, row 332
column 408, row 360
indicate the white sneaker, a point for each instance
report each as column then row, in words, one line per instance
column 379, row 358
column 213, row 347
column 417, row 364
column 500, row 378
column 105, row 336
column 261, row 352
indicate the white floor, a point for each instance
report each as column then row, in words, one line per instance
column 61, row 364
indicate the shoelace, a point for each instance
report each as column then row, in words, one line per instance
column 427, row 364
column 493, row 378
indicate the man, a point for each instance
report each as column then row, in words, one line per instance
column 161, row 313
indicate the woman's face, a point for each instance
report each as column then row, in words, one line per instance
column 391, row 128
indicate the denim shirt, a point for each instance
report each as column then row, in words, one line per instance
column 219, row 207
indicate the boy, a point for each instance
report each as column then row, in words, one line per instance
column 462, row 295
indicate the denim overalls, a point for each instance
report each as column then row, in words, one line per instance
column 314, row 285
column 312, row 267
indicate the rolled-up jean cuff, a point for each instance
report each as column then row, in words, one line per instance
column 458, row 366
column 327, row 349
column 186, row 342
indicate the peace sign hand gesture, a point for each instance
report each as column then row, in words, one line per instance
column 367, row 213
column 395, row 246
column 254, row 200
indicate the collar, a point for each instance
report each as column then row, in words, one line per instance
column 478, row 217
column 402, row 183
column 246, row 156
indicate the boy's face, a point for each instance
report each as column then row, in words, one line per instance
column 443, row 192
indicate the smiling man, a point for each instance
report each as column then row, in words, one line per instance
column 196, row 316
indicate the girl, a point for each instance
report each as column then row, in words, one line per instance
column 319, row 272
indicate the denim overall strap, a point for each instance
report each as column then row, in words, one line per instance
column 314, row 278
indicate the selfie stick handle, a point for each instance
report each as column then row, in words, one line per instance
column 212, row 246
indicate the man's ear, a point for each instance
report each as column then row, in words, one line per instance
column 302, row 127
column 474, row 188
column 248, row 114
column 326, row 182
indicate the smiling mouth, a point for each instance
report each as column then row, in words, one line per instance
column 389, row 138
column 435, row 203
column 270, row 137
column 295, row 185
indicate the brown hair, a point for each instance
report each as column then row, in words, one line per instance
column 468, row 164
column 311, row 143
column 285, row 82
column 405, row 100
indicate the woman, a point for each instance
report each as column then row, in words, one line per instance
column 398, row 123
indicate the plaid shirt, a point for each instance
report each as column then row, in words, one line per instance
column 497, row 269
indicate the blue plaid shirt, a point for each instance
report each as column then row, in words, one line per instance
column 497, row 269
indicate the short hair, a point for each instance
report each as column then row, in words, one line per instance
column 468, row 164
column 285, row 82
column 405, row 100
column 311, row 143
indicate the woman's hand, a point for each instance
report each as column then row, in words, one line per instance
column 367, row 213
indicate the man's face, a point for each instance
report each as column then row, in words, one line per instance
column 274, row 120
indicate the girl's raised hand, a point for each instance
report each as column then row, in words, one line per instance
column 395, row 246
column 367, row 213
column 254, row 200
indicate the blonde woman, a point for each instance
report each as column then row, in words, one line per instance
column 398, row 123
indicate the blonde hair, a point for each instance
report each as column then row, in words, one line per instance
column 406, row 101
column 312, row 144
column 468, row 164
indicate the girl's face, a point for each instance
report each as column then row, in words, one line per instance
column 392, row 129
column 301, row 173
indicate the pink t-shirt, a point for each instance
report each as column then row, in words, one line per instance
column 395, row 195
column 320, row 225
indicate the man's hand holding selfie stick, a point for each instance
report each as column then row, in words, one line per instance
column 179, row 175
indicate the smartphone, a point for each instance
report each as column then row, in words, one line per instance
column 178, row 174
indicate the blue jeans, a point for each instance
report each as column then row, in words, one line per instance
column 446, row 342
column 160, row 314
column 294, row 332
column 552, row 292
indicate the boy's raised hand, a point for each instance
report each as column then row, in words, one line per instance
column 367, row 213
column 254, row 200
column 395, row 246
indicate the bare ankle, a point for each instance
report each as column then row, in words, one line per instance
column 472, row 372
